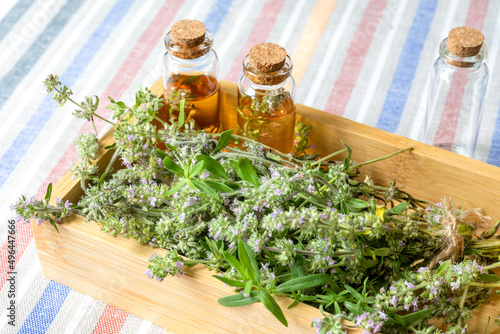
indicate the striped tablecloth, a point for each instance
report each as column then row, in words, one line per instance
column 365, row 60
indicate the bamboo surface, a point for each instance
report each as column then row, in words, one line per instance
column 112, row 269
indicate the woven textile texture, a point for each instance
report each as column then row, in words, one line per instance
column 368, row 61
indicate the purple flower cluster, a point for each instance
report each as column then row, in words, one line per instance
column 369, row 323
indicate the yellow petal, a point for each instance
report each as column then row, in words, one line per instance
column 380, row 211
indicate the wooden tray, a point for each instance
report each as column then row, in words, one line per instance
column 112, row 269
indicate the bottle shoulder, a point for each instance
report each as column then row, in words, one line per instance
column 208, row 63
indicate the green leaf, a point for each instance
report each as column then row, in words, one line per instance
column 110, row 147
column 443, row 267
column 53, row 223
column 218, row 186
column 351, row 307
column 272, row 306
column 273, row 156
column 382, row 251
column 247, row 258
column 347, row 159
column 161, row 154
column 245, row 171
column 357, row 203
column 369, row 263
column 369, row 252
column 223, row 141
column 172, row 166
column 233, row 262
column 180, row 121
column 412, row 318
column 213, row 166
column 397, row 210
column 230, row 282
column 175, row 188
column 101, row 180
column 297, row 268
column 248, row 287
column 353, row 292
column 343, row 208
column 295, row 302
column 204, row 188
column 489, row 278
column 337, row 308
column 207, row 246
column 491, row 232
column 196, row 169
column 239, row 300
column 171, row 147
column 301, row 283
column 48, row 193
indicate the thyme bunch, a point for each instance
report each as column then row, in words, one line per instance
column 270, row 224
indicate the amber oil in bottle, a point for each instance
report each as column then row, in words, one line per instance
column 266, row 97
column 191, row 72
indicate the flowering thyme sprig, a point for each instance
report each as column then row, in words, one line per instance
column 42, row 211
column 63, row 94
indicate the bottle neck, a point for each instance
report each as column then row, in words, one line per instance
column 465, row 62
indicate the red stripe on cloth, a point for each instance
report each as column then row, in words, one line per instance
column 449, row 119
column 355, row 58
column 111, row 321
column 22, row 239
column 116, row 88
column 259, row 34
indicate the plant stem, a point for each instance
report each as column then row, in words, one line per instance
column 462, row 300
column 485, row 285
column 380, row 159
column 92, row 112
column 304, row 252
column 325, row 158
column 491, row 266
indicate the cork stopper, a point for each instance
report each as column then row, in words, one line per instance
column 465, row 41
column 267, row 64
column 267, row 57
column 188, row 39
column 188, row 33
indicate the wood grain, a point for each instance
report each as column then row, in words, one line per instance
column 111, row 269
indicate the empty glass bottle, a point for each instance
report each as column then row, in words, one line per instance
column 266, row 97
column 456, row 92
column 191, row 71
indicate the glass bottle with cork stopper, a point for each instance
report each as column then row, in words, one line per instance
column 191, row 71
column 456, row 92
column 266, row 97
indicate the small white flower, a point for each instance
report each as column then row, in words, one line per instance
column 455, row 285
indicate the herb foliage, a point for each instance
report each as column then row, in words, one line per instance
column 271, row 224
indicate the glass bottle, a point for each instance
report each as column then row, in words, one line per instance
column 191, row 71
column 456, row 92
column 266, row 97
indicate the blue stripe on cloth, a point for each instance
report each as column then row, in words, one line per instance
column 35, row 124
column 494, row 155
column 14, row 14
column 397, row 96
column 44, row 312
column 10, row 81
column 217, row 14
